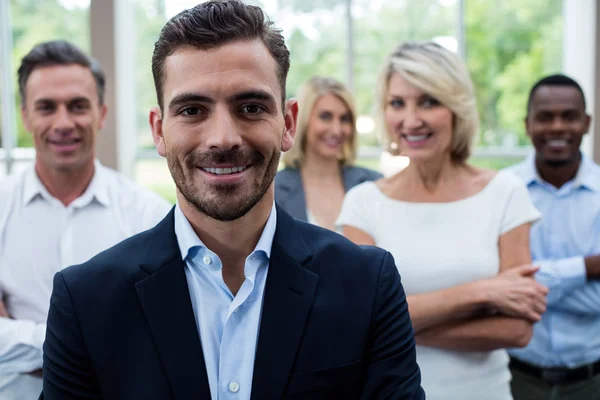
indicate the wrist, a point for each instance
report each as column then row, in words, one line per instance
column 480, row 296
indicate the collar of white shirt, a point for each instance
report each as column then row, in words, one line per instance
column 97, row 189
column 586, row 175
column 187, row 238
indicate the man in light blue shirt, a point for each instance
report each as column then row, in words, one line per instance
column 562, row 361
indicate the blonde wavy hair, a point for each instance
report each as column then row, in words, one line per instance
column 439, row 73
column 311, row 91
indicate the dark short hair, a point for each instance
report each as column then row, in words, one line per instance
column 213, row 24
column 58, row 52
column 554, row 80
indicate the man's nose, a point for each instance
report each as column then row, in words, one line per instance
column 223, row 132
column 63, row 120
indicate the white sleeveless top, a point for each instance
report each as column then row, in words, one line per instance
column 440, row 245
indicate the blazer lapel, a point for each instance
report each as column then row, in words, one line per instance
column 165, row 299
column 289, row 293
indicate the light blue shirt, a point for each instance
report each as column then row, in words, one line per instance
column 228, row 325
column 569, row 333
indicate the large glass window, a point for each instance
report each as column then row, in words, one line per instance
column 510, row 45
column 38, row 21
column 507, row 46
column 32, row 22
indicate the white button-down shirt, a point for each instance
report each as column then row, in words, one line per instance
column 228, row 325
column 39, row 236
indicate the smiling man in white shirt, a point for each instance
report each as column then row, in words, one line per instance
column 62, row 210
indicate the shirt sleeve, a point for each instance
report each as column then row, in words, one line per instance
column 584, row 301
column 355, row 208
column 518, row 208
column 561, row 276
column 21, row 346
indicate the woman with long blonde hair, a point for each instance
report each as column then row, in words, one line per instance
column 320, row 169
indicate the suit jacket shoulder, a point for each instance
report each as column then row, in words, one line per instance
column 125, row 261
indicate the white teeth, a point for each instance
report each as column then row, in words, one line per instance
column 415, row 138
column 63, row 142
column 224, row 171
column 557, row 143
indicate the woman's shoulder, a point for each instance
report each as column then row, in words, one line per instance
column 287, row 176
column 364, row 192
column 505, row 180
column 361, row 174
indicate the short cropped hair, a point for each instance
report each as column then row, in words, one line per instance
column 216, row 23
column 308, row 95
column 441, row 74
column 554, row 80
column 59, row 52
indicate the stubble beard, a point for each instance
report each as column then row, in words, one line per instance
column 223, row 202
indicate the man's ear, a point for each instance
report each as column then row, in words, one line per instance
column 155, row 120
column 103, row 112
column 526, row 121
column 588, row 122
column 25, row 118
column 291, row 118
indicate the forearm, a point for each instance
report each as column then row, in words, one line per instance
column 584, row 301
column 20, row 345
column 561, row 276
column 447, row 305
column 572, row 283
column 485, row 334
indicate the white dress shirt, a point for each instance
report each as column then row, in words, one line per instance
column 39, row 236
column 228, row 325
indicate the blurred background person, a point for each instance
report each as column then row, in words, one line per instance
column 63, row 209
column 459, row 234
column 320, row 168
column 562, row 361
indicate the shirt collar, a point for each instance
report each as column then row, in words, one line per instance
column 98, row 188
column 586, row 174
column 187, row 238
column 529, row 172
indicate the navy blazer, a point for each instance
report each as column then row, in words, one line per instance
column 334, row 324
column 289, row 192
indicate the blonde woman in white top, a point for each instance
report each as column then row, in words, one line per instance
column 459, row 234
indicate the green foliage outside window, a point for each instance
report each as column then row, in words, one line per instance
column 509, row 44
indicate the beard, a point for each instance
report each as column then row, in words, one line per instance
column 224, row 202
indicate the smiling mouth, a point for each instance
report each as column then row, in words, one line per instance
column 64, row 142
column 557, row 143
column 416, row 138
column 224, row 171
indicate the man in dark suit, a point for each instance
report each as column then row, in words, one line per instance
column 228, row 297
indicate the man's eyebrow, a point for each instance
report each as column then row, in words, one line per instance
column 44, row 100
column 188, row 98
column 252, row 95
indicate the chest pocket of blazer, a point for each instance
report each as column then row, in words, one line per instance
column 341, row 382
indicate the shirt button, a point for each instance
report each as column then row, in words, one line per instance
column 234, row 387
column 207, row 260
